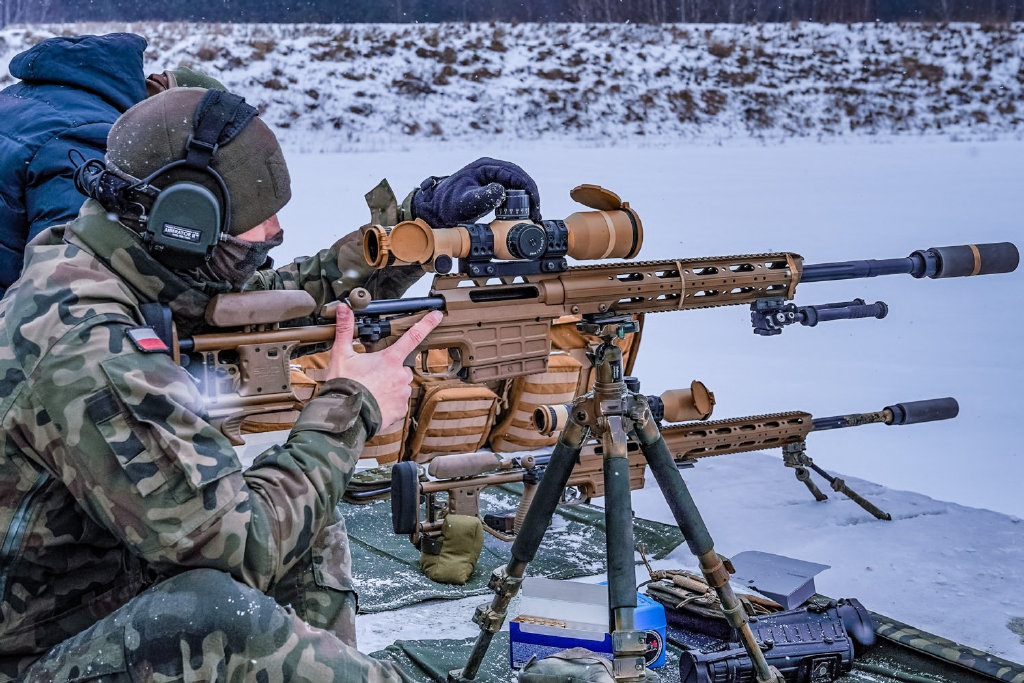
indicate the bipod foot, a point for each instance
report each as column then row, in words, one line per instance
column 795, row 455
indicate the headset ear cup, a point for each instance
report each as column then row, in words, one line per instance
column 184, row 225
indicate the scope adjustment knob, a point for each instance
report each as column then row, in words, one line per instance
column 526, row 241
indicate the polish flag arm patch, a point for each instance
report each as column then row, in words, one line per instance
column 147, row 340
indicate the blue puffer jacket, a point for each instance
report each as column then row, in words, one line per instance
column 72, row 90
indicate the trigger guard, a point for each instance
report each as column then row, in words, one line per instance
column 453, row 371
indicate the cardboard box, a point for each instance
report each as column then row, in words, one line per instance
column 787, row 581
column 558, row 615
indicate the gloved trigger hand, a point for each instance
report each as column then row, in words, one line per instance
column 472, row 192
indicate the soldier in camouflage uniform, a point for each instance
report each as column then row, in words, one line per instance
column 133, row 545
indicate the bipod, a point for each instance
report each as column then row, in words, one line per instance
column 612, row 412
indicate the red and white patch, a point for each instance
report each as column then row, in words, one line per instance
column 146, row 340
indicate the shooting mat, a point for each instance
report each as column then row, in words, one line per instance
column 386, row 567
column 889, row 661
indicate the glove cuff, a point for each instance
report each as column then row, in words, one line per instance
column 405, row 212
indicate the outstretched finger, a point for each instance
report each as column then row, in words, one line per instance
column 344, row 326
column 415, row 335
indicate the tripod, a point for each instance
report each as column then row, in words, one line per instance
column 613, row 412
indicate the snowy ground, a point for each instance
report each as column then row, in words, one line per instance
column 362, row 86
column 948, row 567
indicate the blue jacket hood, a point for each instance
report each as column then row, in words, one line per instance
column 109, row 66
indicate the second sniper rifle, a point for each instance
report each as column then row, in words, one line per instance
column 462, row 477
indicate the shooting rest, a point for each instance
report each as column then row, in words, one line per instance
column 614, row 412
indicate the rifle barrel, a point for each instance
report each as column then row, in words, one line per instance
column 909, row 412
column 937, row 262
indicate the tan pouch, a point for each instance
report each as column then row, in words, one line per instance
column 558, row 385
column 462, row 539
column 453, row 417
column 386, row 446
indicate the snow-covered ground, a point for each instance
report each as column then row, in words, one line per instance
column 367, row 86
column 949, row 567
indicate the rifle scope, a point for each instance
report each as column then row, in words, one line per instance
column 611, row 230
column 674, row 405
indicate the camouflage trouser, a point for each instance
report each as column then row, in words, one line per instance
column 202, row 625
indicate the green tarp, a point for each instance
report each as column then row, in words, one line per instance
column 386, row 566
column 431, row 660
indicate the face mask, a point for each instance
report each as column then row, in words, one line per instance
column 234, row 261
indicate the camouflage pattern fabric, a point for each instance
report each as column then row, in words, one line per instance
column 202, row 625
column 331, row 274
column 948, row 650
column 111, row 481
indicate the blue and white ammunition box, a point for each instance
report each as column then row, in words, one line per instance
column 558, row 615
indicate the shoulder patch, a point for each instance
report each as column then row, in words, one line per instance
column 147, row 340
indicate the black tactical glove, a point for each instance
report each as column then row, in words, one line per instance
column 471, row 192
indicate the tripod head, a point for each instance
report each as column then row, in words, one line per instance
column 607, row 326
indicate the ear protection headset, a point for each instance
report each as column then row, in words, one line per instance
column 185, row 220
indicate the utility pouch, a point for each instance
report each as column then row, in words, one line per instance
column 452, row 558
column 386, row 445
column 454, row 417
column 558, row 385
column 577, row 665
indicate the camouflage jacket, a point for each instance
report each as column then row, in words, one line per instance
column 110, row 477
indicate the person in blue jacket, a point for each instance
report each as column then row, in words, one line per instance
column 72, row 89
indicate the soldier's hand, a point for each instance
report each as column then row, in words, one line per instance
column 382, row 373
column 471, row 192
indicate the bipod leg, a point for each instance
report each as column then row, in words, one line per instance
column 795, row 455
column 505, row 581
column 690, row 522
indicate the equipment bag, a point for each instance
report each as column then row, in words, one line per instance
column 557, row 385
column 453, row 417
column 577, row 665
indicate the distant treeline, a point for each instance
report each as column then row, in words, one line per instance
column 403, row 11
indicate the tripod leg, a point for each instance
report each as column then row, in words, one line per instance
column 688, row 518
column 627, row 641
column 505, row 581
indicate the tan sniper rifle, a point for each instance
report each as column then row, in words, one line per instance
column 512, row 282
column 452, row 484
